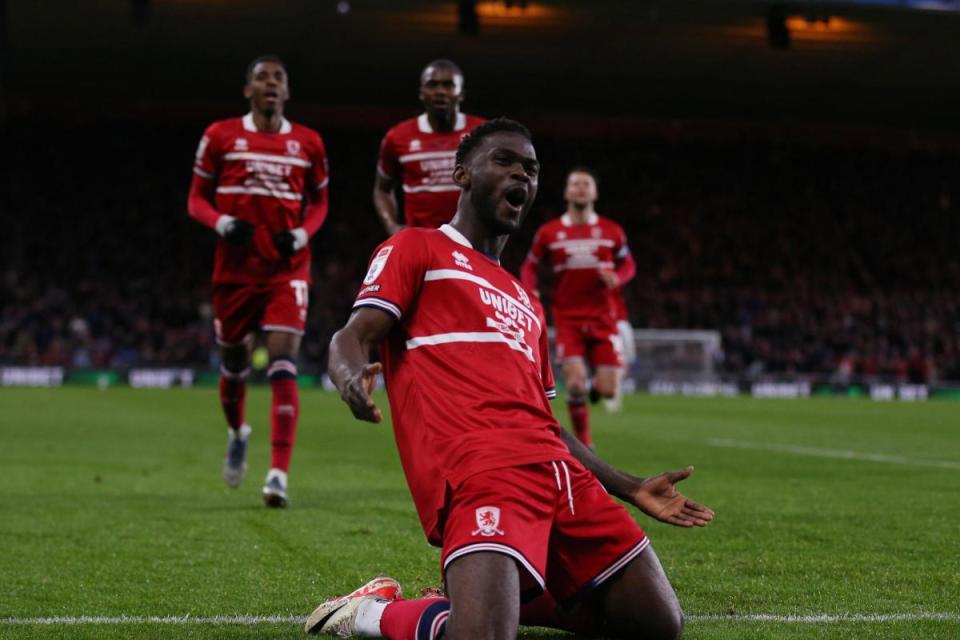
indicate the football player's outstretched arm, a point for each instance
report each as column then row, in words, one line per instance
column 350, row 368
column 656, row 496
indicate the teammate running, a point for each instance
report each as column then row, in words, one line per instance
column 418, row 154
column 260, row 182
column 590, row 261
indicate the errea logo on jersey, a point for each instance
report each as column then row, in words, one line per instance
column 488, row 522
column 524, row 298
column 240, row 144
column 415, row 145
column 462, row 261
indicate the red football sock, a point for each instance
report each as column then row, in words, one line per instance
column 285, row 410
column 233, row 396
column 422, row 619
column 580, row 417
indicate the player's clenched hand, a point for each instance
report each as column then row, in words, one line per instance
column 290, row 241
column 238, row 231
column 658, row 497
column 356, row 393
column 610, row 279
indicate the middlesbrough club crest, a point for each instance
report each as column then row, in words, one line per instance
column 488, row 522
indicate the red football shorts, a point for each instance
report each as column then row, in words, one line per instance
column 553, row 518
column 242, row 308
column 598, row 341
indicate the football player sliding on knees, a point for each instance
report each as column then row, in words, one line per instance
column 524, row 513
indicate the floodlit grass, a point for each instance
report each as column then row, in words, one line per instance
column 112, row 505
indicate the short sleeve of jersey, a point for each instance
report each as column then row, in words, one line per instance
column 546, row 370
column 207, row 161
column 319, row 167
column 388, row 163
column 395, row 274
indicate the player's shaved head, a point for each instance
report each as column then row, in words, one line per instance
column 260, row 60
column 442, row 63
column 473, row 139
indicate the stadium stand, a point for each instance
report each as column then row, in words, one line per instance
column 833, row 260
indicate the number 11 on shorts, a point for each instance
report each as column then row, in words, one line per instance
column 300, row 291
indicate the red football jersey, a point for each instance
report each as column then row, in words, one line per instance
column 422, row 160
column 576, row 254
column 261, row 178
column 466, row 366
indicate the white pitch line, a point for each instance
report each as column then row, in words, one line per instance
column 249, row 620
column 833, row 453
column 244, row 620
column 827, row 618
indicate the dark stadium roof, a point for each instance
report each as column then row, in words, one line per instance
column 357, row 60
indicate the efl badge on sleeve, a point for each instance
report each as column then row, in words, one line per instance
column 377, row 265
column 488, row 522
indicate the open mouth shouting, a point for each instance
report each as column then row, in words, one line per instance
column 515, row 197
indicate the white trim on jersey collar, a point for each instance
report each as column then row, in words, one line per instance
column 423, row 123
column 248, row 125
column 455, row 235
column 567, row 221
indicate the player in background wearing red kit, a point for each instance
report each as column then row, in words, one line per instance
column 418, row 154
column 260, row 182
column 590, row 260
column 515, row 502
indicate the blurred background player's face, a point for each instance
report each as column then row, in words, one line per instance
column 503, row 181
column 441, row 90
column 267, row 88
column 581, row 190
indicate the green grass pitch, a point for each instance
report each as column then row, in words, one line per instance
column 111, row 504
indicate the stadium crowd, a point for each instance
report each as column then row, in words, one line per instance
column 827, row 260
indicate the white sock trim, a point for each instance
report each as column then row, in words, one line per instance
column 277, row 473
column 242, row 433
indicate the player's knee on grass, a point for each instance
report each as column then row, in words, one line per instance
column 484, row 593
column 662, row 624
column 641, row 603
